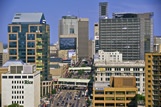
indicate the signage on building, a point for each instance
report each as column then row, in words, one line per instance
column 28, row 82
column 99, row 88
column 96, row 37
column 101, row 69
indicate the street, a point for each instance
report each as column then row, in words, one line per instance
column 69, row 98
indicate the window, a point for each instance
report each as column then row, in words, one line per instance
column 101, row 79
column 149, row 66
column 4, row 77
column 149, row 61
column 149, row 101
column 99, row 92
column 149, row 81
column 109, row 92
column 149, row 95
column 71, row 30
column 30, row 77
column 149, row 71
column 137, row 79
column 11, row 77
column 18, row 77
column 149, row 86
column 24, row 76
column 137, row 84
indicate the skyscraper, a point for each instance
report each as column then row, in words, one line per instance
column 103, row 10
column 28, row 40
column 129, row 33
column 152, row 80
column 73, row 37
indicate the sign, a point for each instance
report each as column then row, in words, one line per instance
column 96, row 37
column 99, row 88
column 101, row 69
column 71, row 54
column 28, row 82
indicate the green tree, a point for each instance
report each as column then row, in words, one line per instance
column 83, row 65
column 54, row 91
column 140, row 97
column 15, row 105
column 80, row 72
column 88, row 102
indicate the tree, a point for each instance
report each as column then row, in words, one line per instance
column 80, row 72
column 83, row 65
column 15, row 105
column 88, row 102
column 54, row 91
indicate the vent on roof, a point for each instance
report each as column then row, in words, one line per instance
column 16, row 17
column 18, row 14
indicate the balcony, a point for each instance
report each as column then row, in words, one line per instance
column 39, row 46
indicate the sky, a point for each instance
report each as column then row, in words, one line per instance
column 55, row 9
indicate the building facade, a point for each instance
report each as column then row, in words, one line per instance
column 105, row 70
column 110, row 56
column 129, row 33
column 21, row 85
column 28, row 40
column 103, row 10
column 96, row 38
column 152, row 80
column 3, row 54
column 157, row 44
column 121, row 92
column 74, row 36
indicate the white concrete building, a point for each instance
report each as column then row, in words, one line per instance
column 110, row 56
column 136, row 69
column 21, row 85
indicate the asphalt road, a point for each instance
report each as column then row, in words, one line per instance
column 69, row 98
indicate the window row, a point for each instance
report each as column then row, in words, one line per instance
column 17, row 92
column 17, row 77
column 17, row 87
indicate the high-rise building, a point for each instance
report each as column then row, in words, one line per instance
column 103, row 10
column 28, row 40
column 73, row 37
column 152, row 80
column 120, row 92
column 96, row 38
column 157, row 44
column 129, row 33
column 21, row 85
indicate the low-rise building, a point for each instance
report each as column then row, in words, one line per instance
column 21, row 85
column 121, row 92
column 134, row 68
column 110, row 56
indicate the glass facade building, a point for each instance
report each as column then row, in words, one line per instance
column 28, row 40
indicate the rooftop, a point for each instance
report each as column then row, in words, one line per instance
column 73, row 80
column 137, row 63
column 101, row 84
column 10, row 62
column 28, row 18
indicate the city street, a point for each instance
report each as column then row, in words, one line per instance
column 69, row 98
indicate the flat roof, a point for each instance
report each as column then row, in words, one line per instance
column 73, row 80
column 79, row 68
column 101, row 84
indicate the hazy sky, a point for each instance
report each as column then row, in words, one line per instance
column 55, row 9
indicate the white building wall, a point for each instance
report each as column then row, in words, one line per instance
column 28, row 95
column 139, row 74
column 110, row 56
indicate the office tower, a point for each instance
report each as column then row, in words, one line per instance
column 157, row 44
column 96, row 38
column 129, row 33
column 120, row 92
column 73, row 37
column 54, row 50
column 152, row 80
column 90, row 49
column 28, row 40
column 131, row 68
column 103, row 10
column 21, row 85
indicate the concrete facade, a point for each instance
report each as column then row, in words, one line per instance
column 21, row 88
column 110, row 56
column 135, row 69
